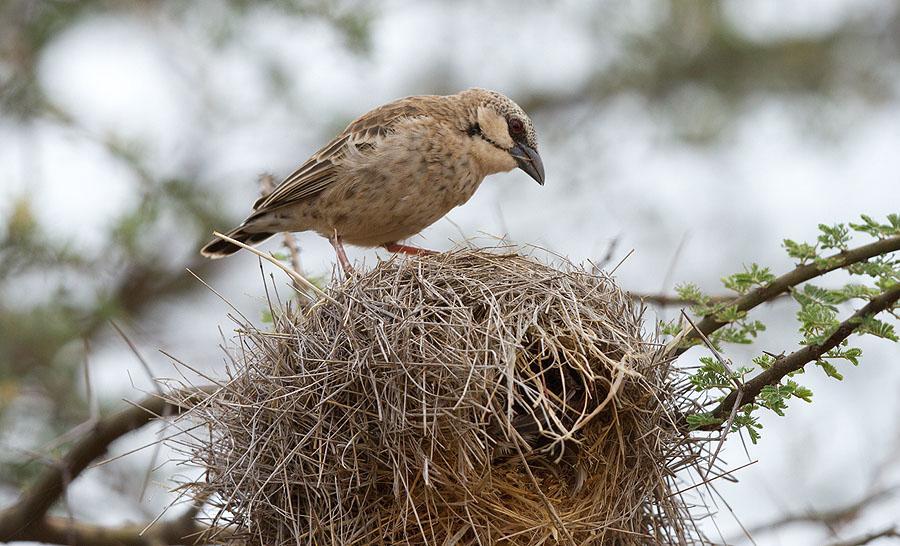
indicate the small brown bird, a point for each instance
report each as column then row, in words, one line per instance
column 395, row 171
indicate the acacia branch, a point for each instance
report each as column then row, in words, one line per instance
column 26, row 516
column 784, row 365
column 784, row 283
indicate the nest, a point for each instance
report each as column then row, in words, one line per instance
column 465, row 398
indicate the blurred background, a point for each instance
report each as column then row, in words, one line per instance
column 698, row 134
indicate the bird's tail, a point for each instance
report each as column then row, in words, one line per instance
column 219, row 248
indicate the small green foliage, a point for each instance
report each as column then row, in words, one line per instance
column 830, row 369
column 730, row 314
column 775, row 397
column 701, row 304
column 713, row 374
column 764, row 361
column 710, row 375
column 741, row 332
column 851, row 354
column 817, row 319
column 748, row 279
column 820, row 313
column 746, row 420
column 877, row 230
column 699, row 420
column 804, row 252
column 877, row 328
column 836, row 236
column 671, row 328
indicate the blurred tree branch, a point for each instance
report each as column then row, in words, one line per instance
column 889, row 532
column 832, row 519
column 181, row 531
column 668, row 300
column 25, row 520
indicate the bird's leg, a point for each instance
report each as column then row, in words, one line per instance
column 335, row 241
column 406, row 249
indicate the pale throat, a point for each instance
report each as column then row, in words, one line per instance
column 489, row 150
column 489, row 158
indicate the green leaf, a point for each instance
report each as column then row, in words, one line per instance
column 836, row 236
column 803, row 393
column 747, row 421
column 877, row 230
column 764, row 361
column 730, row 314
column 711, row 375
column 878, row 328
column 830, row 370
column 894, row 221
column 751, row 277
column 775, row 397
column 802, row 251
column 853, row 292
column 697, row 420
column 852, row 355
column 692, row 293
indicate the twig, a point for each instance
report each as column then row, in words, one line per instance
column 267, row 183
column 798, row 359
column 295, row 276
column 707, row 479
column 738, row 388
column 608, row 255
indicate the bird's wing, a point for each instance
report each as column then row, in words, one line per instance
column 319, row 171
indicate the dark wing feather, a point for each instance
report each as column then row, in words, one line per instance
column 319, row 171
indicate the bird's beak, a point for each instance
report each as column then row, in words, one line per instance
column 529, row 161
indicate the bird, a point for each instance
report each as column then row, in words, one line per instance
column 395, row 171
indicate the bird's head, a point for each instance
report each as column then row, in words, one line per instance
column 504, row 125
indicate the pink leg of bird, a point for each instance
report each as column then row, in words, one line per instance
column 411, row 250
column 335, row 241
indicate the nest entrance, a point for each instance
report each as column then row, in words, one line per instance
column 464, row 398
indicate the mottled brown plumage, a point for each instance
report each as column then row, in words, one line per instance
column 395, row 171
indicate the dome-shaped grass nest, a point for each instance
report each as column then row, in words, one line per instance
column 463, row 398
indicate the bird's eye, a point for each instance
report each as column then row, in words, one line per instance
column 516, row 126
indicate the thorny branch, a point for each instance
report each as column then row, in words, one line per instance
column 784, row 283
column 798, row 359
column 267, row 186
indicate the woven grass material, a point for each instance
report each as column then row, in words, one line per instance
column 464, row 398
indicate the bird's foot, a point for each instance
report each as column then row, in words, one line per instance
column 335, row 241
column 411, row 250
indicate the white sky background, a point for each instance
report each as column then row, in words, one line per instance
column 612, row 172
